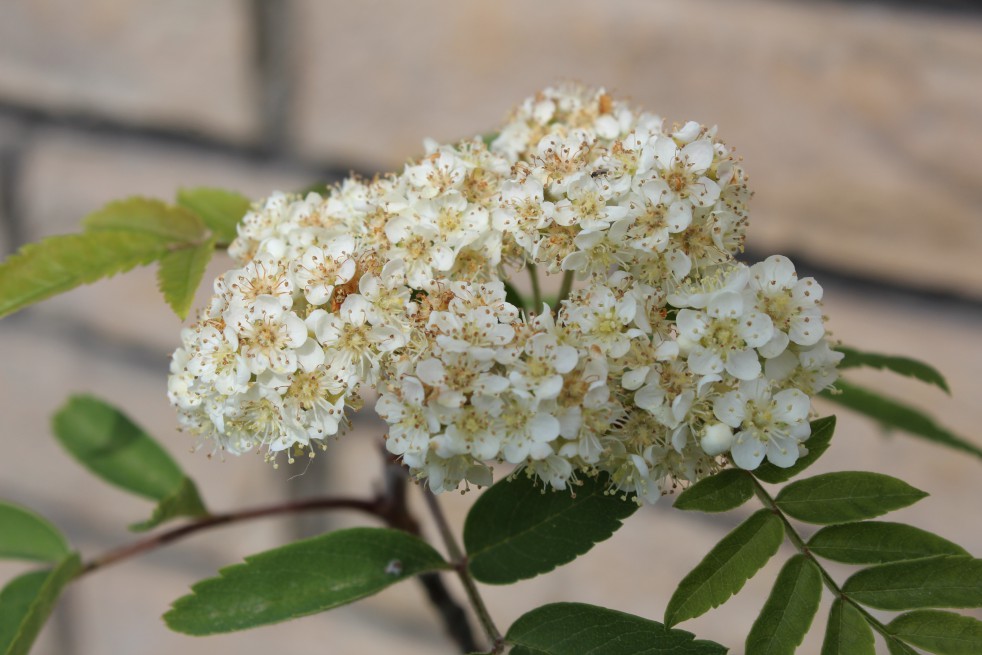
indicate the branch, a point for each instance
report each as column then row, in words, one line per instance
column 375, row 507
column 459, row 561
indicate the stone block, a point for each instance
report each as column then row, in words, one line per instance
column 185, row 65
column 855, row 122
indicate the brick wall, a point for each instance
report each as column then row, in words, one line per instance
column 859, row 125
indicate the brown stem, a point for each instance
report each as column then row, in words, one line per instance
column 454, row 617
column 374, row 507
column 459, row 561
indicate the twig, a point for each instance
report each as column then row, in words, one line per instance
column 454, row 617
column 564, row 290
column 459, row 561
column 375, row 507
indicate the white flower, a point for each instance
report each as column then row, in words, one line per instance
column 321, row 269
column 792, row 304
column 764, row 423
column 411, row 421
column 540, row 374
column 724, row 337
column 269, row 336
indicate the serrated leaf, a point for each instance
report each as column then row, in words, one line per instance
column 790, row 608
column 942, row 581
column 876, row 542
column 27, row 601
column 897, row 364
column 49, row 267
column 817, row 444
column 220, row 209
column 845, row 496
column 898, row 416
column 184, row 502
column 150, row 217
column 179, row 275
column 113, row 447
column 721, row 492
column 945, row 633
column 727, row 567
column 580, row 629
column 25, row 535
column 517, row 530
column 302, row 578
column 847, row 632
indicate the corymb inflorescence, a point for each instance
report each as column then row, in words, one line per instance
column 662, row 359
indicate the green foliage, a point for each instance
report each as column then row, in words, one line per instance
column 513, row 296
column 941, row 581
column 901, row 365
column 154, row 218
column 898, row 416
column 27, row 601
column 788, row 613
column 180, row 272
column 727, row 567
column 845, row 496
column 25, row 535
column 221, row 210
column 945, row 633
column 302, row 578
column 722, row 492
column 876, row 542
column 185, row 501
column 818, row 443
column 579, row 629
column 515, row 530
column 109, row 444
column 847, row 632
column 121, row 235
column 41, row 270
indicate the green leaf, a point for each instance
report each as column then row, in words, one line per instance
column 847, row 632
column 184, row 502
column 302, row 578
column 109, row 444
column 25, row 535
column 180, row 273
column 845, row 496
column 49, row 267
column 942, row 581
column 727, row 567
column 789, row 610
column 945, row 633
column 515, row 298
column 901, row 365
column 722, row 492
column 221, row 210
column 897, row 647
column 818, row 443
column 897, row 416
column 27, row 601
column 517, row 530
column 579, row 629
column 875, row 542
column 150, row 217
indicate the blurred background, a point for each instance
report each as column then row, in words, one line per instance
column 860, row 124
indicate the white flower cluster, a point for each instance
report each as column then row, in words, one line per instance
column 668, row 360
